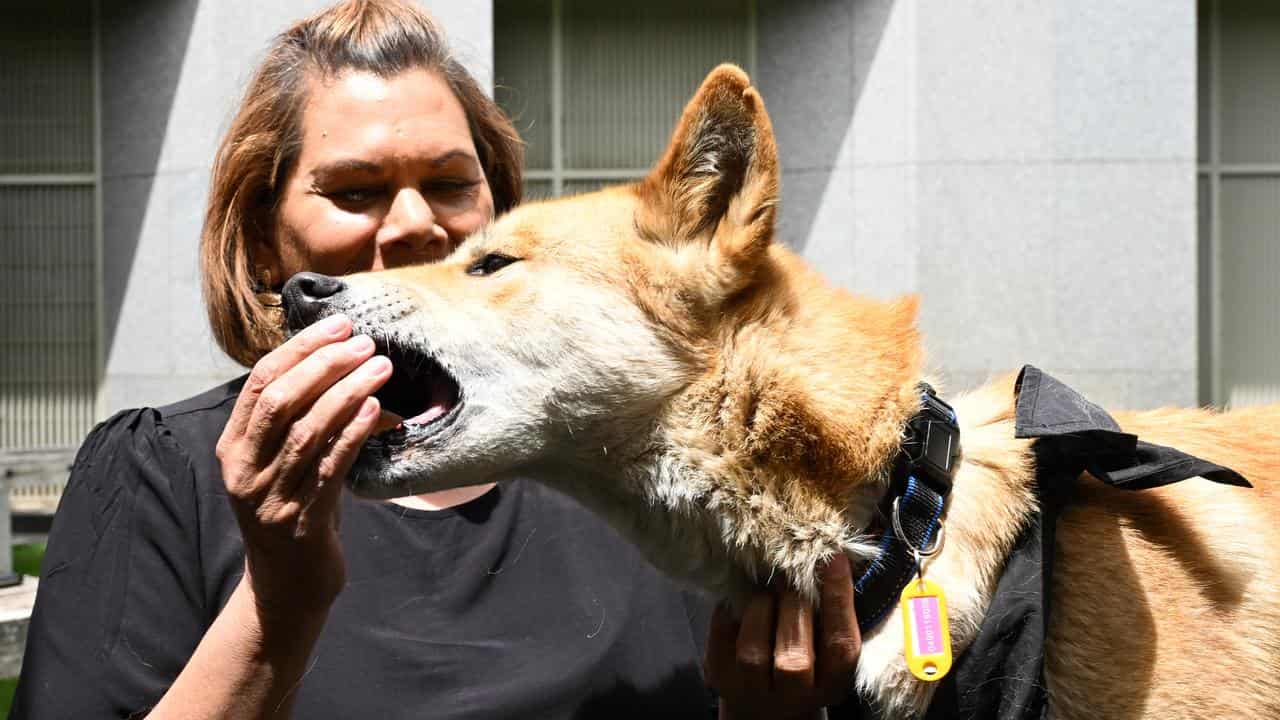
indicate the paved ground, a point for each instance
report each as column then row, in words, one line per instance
column 15, row 612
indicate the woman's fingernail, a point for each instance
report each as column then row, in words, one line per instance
column 360, row 344
column 377, row 365
column 334, row 324
column 369, row 408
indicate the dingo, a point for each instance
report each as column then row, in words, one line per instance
column 652, row 352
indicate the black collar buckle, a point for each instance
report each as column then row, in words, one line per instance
column 931, row 448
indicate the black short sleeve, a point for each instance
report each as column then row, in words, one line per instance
column 120, row 607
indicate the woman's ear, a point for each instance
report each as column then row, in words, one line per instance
column 718, row 178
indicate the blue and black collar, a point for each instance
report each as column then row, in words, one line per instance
column 922, row 479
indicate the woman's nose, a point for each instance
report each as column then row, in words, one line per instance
column 307, row 296
column 410, row 225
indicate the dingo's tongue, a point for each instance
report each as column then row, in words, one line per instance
column 441, row 401
column 433, row 412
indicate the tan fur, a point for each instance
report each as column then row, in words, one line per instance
column 656, row 355
column 1166, row 599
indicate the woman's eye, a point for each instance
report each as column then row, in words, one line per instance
column 490, row 264
column 354, row 196
column 451, row 186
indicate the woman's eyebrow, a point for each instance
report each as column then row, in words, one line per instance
column 320, row 173
column 446, row 158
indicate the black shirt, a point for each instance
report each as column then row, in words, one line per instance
column 516, row 604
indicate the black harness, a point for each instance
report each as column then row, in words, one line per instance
column 1001, row 674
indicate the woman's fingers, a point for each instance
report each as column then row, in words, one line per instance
column 326, row 487
column 755, row 643
column 722, row 651
column 839, row 641
column 785, row 658
column 281, row 426
column 793, row 662
column 302, row 458
column 279, row 361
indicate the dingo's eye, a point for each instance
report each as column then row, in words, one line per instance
column 490, row 264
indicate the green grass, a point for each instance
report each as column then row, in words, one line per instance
column 7, row 686
column 26, row 558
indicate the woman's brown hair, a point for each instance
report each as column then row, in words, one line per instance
column 384, row 37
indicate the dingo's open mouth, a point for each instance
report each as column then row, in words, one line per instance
column 421, row 395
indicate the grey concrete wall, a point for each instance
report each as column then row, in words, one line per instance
column 1028, row 168
column 171, row 73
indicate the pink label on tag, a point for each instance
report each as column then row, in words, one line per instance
column 928, row 626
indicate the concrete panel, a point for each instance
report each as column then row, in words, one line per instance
column 804, row 61
column 1125, row 79
column 985, row 81
column 154, row 390
column 228, row 40
column 469, row 24
column 886, row 252
column 144, row 45
column 135, row 276
column 802, row 196
column 1112, row 389
column 829, row 247
column 1132, row 390
column 1125, row 288
column 161, row 326
column 884, row 68
column 1025, row 166
column 193, row 350
column 986, row 266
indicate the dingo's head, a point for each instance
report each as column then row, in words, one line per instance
column 647, row 347
column 557, row 335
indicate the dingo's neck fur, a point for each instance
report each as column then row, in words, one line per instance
column 782, row 453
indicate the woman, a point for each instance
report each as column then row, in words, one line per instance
column 197, row 568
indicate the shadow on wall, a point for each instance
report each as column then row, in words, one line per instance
column 142, row 47
column 813, row 60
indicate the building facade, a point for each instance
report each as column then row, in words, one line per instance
column 1089, row 187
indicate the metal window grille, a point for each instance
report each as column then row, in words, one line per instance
column 595, row 88
column 48, row 225
column 1239, row 201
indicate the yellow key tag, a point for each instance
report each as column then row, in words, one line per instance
column 927, row 633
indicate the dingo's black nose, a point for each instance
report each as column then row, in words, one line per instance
column 306, row 297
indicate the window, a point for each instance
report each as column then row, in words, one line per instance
column 1239, row 200
column 595, row 88
column 48, row 226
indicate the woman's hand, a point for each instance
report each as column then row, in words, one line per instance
column 779, row 661
column 293, row 435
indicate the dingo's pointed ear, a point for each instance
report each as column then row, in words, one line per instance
column 720, row 173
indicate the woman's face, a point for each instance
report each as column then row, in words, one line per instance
column 387, row 175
